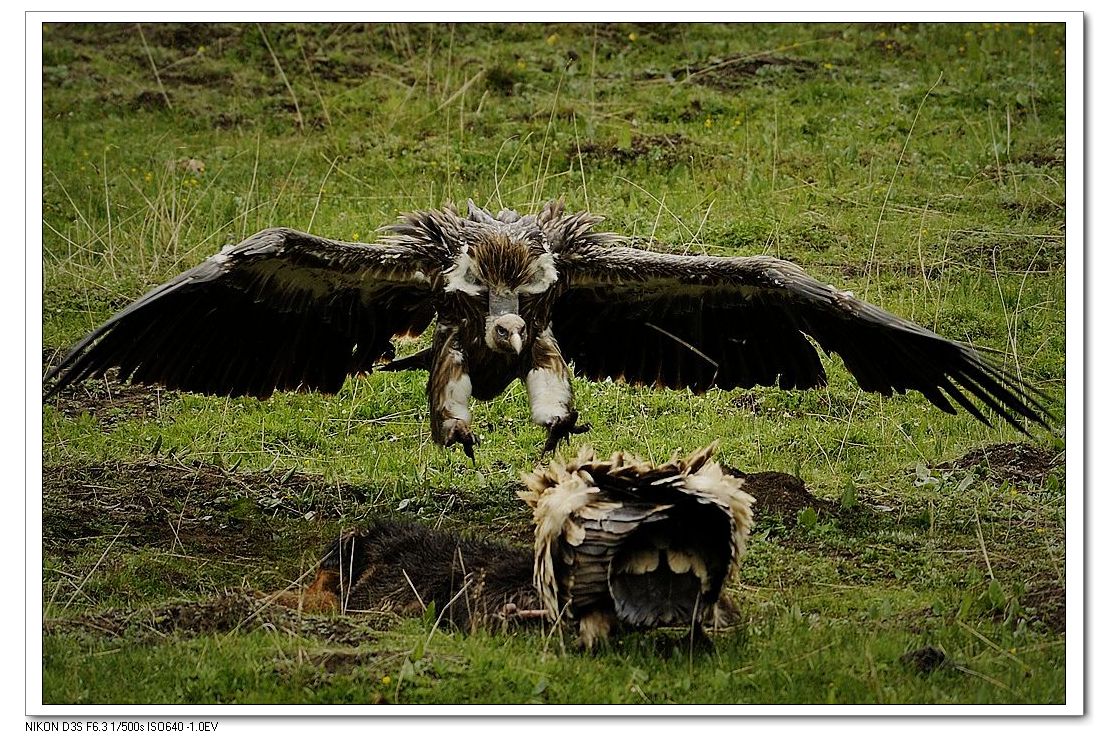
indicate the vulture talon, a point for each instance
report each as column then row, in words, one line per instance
column 561, row 429
column 458, row 431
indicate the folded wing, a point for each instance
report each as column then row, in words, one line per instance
column 281, row 310
column 699, row 322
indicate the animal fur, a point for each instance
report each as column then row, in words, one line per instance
column 403, row 567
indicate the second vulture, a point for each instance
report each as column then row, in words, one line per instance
column 518, row 297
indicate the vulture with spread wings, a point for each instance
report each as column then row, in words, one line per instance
column 518, row 297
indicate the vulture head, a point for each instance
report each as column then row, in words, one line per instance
column 500, row 260
column 620, row 541
column 506, row 333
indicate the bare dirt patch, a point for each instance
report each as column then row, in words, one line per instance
column 1044, row 157
column 227, row 613
column 1048, row 604
column 738, row 72
column 1042, row 210
column 199, row 507
column 1016, row 463
column 667, row 149
column 348, row 69
column 107, row 400
column 892, row 47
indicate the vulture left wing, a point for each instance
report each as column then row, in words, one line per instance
column 281, row 310
column 701, row 321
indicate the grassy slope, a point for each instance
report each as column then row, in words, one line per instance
column 918, row 165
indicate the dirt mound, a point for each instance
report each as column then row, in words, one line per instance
column 925, row 660
column 1017, row 463
column 778, row 493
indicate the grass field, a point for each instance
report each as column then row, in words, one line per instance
column 920, row 166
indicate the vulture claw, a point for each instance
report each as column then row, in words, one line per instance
column 459, row 431
column 562, row 428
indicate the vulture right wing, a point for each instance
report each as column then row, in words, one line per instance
column 281, row 310
column 701, row 321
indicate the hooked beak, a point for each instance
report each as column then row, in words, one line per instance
column 506, row 333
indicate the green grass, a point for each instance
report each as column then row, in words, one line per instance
column 918, row 165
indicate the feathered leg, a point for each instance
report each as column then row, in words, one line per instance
column 595, row 628
column 448, row 391
column 549, row 392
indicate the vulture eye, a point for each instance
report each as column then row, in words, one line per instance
column 502, row 331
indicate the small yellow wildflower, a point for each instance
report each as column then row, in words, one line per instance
column 354, row 237
column 201, row 49
column 1031, row 30
column 520, row 64
column 552, row 39
column 962, row 49
column 148, row 177
column 708, row 122
column 633, row 36
column 386, row 679
column 829, row 65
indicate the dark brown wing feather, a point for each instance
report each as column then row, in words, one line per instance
column 700, row 322
column 281, row 310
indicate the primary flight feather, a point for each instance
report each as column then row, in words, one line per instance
column 518, row 297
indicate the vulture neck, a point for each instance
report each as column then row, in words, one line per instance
column 503, row 302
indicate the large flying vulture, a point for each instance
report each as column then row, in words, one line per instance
column 518, row 297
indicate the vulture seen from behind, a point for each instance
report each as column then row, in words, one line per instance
column 519, row 297
column 622, row 541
